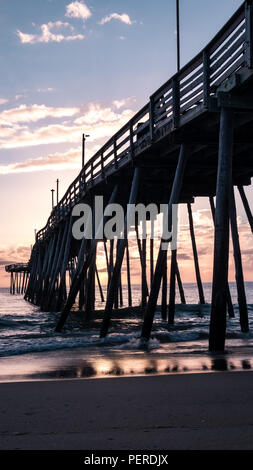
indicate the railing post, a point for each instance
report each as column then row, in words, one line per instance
column 102, row 166
column 206, row 77
column 176, row 101
column 82, row 182
column 151, row 118
column 249, row 34
column 91, row 172
column 115, row 152
column 131, row 140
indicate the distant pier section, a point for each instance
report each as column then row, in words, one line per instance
column 19, row 277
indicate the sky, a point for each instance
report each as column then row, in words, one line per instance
column 73, row 67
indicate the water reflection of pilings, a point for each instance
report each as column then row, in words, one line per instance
column 116, row 368
column 246, row 364
column 220, row 364
column 151, row 368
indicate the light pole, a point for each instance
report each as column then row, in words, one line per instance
column 83, row 149
column 52, row 191
column 178, row 36
column 57, row 191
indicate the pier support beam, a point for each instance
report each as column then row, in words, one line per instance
column 144, row 288
column 221, row 244
column 11, row 283
column 82, row 267
column 172, row 299
column 63, row 268
column 129, row 288
column 246, row 206
column 242, row 302
column 142, row 248
column 120, row 255
column 151, row 255
column 164, row 291
column 99, row 286
column 174, row 199
column 195, row 255
column 180, row 285
column 230, row 306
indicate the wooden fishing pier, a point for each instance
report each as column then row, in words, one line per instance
column 19, row 277
column 192, row 139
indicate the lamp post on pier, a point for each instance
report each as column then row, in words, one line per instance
column 83, row 148
column 52, row 191
column 178, row 35
column 57, row 191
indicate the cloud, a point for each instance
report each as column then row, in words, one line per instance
column 95, row 114
column 78, row 9
column 10, row 254
column 33, row 113
column 125, row 101
column 59, row 160
column 47, row 35
column 183, row 256
column 99, row 121
column 45, row 90
column 124, row 18
column 3, row 101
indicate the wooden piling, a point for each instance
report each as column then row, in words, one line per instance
column 195, row 256
column 143, row 260
column 64, row 266
column 221, row 246
column 151, row 260
column 242, row 302
column 230, row 306
column 23, row 282
column 99, row 286
column 106, row 256
column 164, row 291
column 46, row 249
column 180, row 285
column 246, row 206
column 90, row 287
column 11, row 283
column 129, row 289
column 174, row 199
column 172, row 299
column 121, row 303
column 144, row 288
column 50, row 261
column 111, row 262
column 81, row 268
column 120, row 256
column 51, row 302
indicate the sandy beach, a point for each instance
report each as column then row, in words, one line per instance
column 192, row 411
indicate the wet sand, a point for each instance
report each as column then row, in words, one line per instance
column 191, row 411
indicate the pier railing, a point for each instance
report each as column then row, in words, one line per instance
column 18, row 267
column 171, row 106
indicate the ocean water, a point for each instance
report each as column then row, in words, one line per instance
column 29, row 346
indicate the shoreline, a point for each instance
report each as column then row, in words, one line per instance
column 80, row 363
column 179, row 412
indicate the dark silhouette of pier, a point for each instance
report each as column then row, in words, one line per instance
column 19, row 277
column 192, row 139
